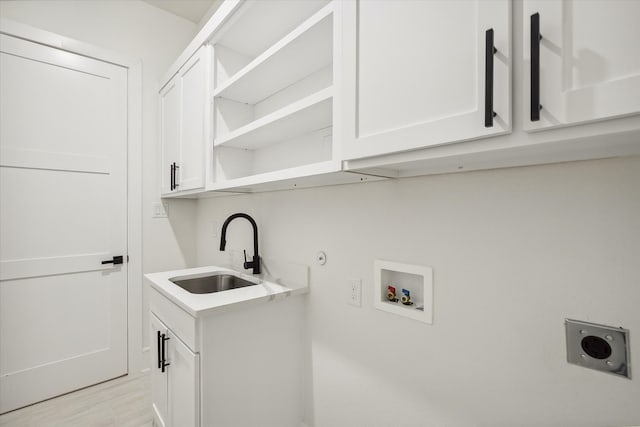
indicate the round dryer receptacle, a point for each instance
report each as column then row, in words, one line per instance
column 596, row 347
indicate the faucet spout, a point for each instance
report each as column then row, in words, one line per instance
column 255, row 262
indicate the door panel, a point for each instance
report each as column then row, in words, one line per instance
column 589, row 60
column 58, row 225
column 193, row 80
column 52, row 335
column 170, row 131
column 183, row 385
column 414, row 73
column 398, row 43
column 63, row 144
column 67, row 108
column 158, row 378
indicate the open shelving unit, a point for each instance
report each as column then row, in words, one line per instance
column 273, row 99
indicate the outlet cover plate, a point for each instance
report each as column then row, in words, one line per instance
column 600, row 347
column 354, row 296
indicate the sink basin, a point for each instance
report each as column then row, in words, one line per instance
column 212, row 283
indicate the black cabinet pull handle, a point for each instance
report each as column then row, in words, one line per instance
column 164, row 358
column 535, row 67
column 175, row 179
column 490, row 50
column 115, row 261
column 159, row 344
column 172, row 176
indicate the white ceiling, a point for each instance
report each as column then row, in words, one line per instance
column 193, row 10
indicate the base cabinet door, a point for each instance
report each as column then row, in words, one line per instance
column 183, row 384
column 175, row 380
column 158, row 377
column 581, row 61
column 423, row 73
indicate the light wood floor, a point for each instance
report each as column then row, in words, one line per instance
column 123, row 402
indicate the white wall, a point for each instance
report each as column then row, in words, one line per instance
column 514, row 253
column 138, row 30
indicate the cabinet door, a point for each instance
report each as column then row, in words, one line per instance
column 183, row 384
column 158, row 378
column 169, row 132
column 589, row 61
column 194, row 77
column 414, row 73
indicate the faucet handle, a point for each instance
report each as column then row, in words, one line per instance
column 255, row 264
column 246, row 264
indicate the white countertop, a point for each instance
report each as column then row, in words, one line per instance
column 267, row 289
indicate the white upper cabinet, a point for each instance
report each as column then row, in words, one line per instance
column 185, row 124
column 585, row 64
column 169, row 132
column 424, row 73
column 194, row 77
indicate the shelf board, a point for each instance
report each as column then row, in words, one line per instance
column 299, row 54
column 306, row 115
column 251, row 30
column 312, row 175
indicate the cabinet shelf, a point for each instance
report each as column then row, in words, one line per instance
column 299, row 54
column 311, row 113
column 311, row 175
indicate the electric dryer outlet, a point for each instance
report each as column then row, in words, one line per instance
column 600, row 347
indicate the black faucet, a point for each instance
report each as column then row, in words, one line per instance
column 255, row 264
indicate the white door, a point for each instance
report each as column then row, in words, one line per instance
column 585, row 66
column 415, row 72
column 63, row 144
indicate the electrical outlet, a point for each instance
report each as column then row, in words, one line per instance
column 214, row 227
column 354, row 295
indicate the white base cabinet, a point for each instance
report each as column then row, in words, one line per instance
column 232, row 367
column 175, row 375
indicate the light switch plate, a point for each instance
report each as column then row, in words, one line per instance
column 600, row 347
column 160, row 210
